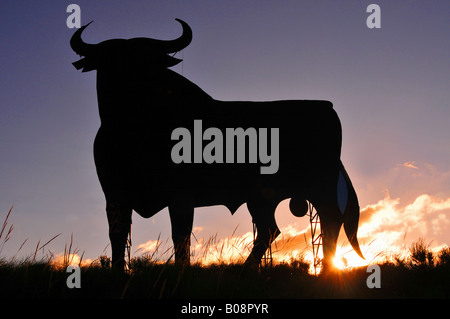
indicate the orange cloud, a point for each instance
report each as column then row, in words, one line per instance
column 387, row 228
column 410, row 164
column 148, row 247
column 63, row 260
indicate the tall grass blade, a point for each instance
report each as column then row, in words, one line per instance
column 5, row 223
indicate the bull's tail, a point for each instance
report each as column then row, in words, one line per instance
column 349, row 207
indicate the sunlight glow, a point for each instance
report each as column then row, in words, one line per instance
column 381, row 236
column 340, row 263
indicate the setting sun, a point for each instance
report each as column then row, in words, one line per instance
column 340, row 263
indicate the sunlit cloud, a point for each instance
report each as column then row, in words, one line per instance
column 410, row 164
column 148, row 247
column 387, row 229
column 405, row 181
column 64, row 259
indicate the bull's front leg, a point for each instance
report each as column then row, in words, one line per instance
column 119, row 221
column 181, row 211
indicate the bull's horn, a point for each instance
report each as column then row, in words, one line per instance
column 180, row 43
column 78, row 45
column 350, row 210
column 351, row 231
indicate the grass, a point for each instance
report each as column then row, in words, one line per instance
column 155, row 280
column 422, row 274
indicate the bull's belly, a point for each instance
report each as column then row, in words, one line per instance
column 150, row 190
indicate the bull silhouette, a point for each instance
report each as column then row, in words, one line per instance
column 141, row 102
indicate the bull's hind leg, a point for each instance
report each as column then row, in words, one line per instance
column 182, row 218
column 119, row 221
column 263, row 214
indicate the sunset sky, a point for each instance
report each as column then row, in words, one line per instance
column 389, row 86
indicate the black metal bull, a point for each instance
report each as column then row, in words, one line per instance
column 141, row 103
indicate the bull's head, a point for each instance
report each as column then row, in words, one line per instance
column 342, row 209
column 346, row 213
column 142, row 53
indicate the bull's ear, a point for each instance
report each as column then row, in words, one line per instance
column 79, row 64
column 86, row 64
column 171, row 61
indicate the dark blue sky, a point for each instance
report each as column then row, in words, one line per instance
column 390, row 87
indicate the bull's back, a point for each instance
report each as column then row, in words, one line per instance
column 309, row 138
column 309, row 123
